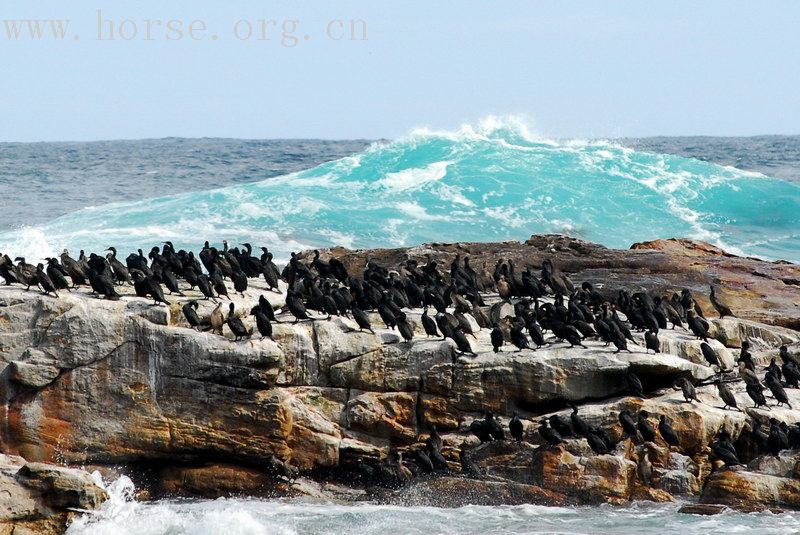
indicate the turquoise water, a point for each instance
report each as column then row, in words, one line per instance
column 483, row 183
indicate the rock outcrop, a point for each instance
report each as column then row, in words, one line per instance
column 40, row 498
column 88, row 381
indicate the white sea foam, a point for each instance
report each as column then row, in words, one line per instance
column 414, row 178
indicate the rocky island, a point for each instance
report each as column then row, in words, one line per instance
column 328, row 409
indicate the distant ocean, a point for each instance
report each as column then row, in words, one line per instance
column 492, row 181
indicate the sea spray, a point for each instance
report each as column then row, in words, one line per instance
column 489, row 182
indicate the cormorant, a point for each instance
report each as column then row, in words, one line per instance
column 429, row 324
column 689, row 392
column 645, row 427
column 774, row 385
column 727, row 397
column 497, row 338
column 516, row 428
column 721, row 307
column 549, row 435
column 634, row 384
column 190, row 313
column 667, row 432
column 578, row 424
column 628, row 424
column 696, row 326
column 235, row 324
column 262, row 322
column 44, row 281
column 651, row 342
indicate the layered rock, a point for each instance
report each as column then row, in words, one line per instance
column 127, row 383
column 41, row 498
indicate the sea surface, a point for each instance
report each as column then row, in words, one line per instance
column 123, row 516
column 490, row 181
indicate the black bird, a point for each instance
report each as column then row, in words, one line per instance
column 329, row 304
column 404, row 327
column 697, row 327
column 711, row 356
column 495, row 429
column 727, row 397
column 429, row 324
column 235, row 324
column 170, row 281
column 239, row 281
column 628, row 423
column 777, row 390
column 423, row 461
column 786, row 356
column 190, row 313
column 791, row 374
column 434, row 439
column 774, row 369
column 667, row 432
column 57, row 275
column 689, row 392
column 44, row 281
column 74, row 269
column 468, row 466
column 516, row 428
column 218, row 284
column 726, row 456
column 148, row 286
column 120, row 270
column 296, row 306
column 361, row 318
column 262, row 322
column 777, row 438
column 549, row 435
column 266, row 309
column 497, row 338
column 480, row 428
column 518, row 337
column 755, row 391
column 651, row 342
column 721, row 307
column 578, row 424
column 596, row 442
column 561, row 425
column 645, row 427
column 634, row 384
column 461, row 341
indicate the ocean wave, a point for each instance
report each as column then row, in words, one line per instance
column 495, row 180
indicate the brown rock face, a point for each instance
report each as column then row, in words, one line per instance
column 751, row 491
column 36, row 497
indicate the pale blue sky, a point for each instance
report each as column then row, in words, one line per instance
column 572, row 69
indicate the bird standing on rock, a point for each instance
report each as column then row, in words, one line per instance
column 697, row 327
column 645, row 427
column 689, row 392
column 628, row 424
column 721, row 307
column 634, row 384
column 651, row 342
column 235, row 324
column 726, row 395
column 516, row 428
column 549, row 435
column 497, row 338
column 668, row 433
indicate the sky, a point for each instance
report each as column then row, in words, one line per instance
column 568, row 68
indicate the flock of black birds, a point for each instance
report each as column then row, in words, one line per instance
column 326, row 287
